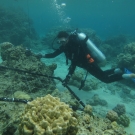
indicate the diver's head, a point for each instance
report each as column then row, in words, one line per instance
column 62, row 34
column 62, row 37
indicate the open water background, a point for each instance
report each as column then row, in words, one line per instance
column 107, row 17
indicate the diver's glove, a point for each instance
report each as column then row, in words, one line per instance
column 66, row 80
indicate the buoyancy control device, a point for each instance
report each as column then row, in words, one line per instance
column 92, row 49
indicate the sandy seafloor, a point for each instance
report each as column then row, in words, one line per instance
column 112, row 100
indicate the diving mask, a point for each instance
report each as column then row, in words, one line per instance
column 61, row 41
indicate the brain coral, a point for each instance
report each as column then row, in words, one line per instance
column 47, row 116
column 112, row 115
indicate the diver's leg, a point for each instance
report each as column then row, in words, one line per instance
column 128, row 75
column 107, row 76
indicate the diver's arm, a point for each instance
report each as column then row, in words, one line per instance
column 71, row 71
column 73, row 64
column 72, row 68
column 54, row 54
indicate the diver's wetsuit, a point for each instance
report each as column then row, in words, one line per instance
column 75, row 51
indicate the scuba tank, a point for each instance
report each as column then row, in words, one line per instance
column 92, row 49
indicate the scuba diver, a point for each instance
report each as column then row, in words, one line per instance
column 83, row 53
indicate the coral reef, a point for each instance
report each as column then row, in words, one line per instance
column 12, row 81
column 118, row 115
column 112, row 115
column 17, row 57
column 112, row 46
column 15, row 26
column 107, row 48
column 9, row 117
column 78, row 76
column 21, row 95
column 117, row 41
column 93, row 125
column 88, row 109
column 120, row 109
column 95, row 100
column 66, row 97
column 130, row 48
column 87, row 123
column 127, row 57
column 47, row 115
column 125, row 60
column 123, row 120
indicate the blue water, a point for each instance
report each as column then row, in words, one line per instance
column 106, row 17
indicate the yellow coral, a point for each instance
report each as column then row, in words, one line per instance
column 21, row 95
column 114, row 125
column 88, row 109
column 86, row 118
column 47, row 116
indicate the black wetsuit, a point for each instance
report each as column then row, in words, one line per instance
column 75, row 51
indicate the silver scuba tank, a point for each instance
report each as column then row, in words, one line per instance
column 93, row 50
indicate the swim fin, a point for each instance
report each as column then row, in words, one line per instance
column 128, row 75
